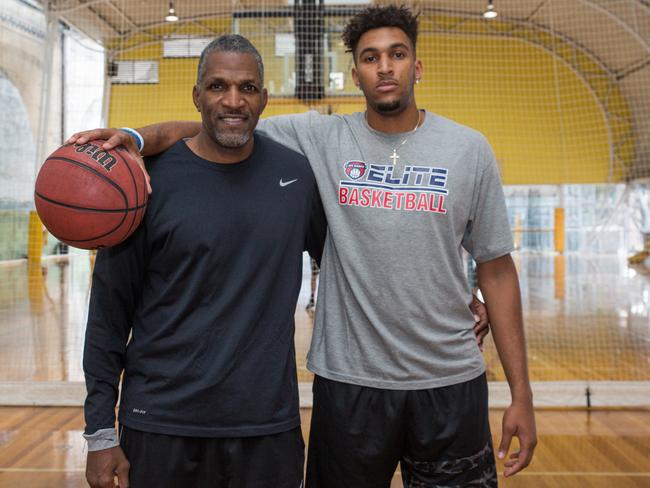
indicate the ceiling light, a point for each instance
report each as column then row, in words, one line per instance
column 490, row 13
column 171, row 15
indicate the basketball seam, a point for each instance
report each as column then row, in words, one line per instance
column 93, row 170
column 94, row 238
column 98, row 210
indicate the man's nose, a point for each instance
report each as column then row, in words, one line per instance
column 385, row 65
column 233, row 98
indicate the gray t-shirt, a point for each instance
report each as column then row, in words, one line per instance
column 393, row 297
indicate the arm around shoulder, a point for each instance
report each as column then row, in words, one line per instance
column 159, row 137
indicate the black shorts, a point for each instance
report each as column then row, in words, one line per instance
column 440, row 437
column 163, row 461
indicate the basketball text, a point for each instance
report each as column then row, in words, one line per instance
column 106, row 160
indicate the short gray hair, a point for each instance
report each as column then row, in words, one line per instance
column 231, row 43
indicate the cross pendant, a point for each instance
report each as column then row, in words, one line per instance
column 394, row 157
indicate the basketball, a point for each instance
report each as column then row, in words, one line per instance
column 88, row 197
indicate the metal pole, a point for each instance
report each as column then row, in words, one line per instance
column 35, row 227
column 46, row 87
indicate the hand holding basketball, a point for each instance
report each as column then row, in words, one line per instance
column 113, row 138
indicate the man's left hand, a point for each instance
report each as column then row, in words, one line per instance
column 481, row 320
column 518, row 421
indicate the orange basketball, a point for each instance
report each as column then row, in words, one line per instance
column 88, row 197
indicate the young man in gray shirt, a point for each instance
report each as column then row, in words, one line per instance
column 399, row 377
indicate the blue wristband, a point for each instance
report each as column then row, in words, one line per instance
column 139, row 141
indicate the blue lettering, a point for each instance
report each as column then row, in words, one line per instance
column 388, row 178
column 420, row 172
column 407, row 174
column 376, row 173
column 438, row 177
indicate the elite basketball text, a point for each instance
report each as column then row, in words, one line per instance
column 418, row 189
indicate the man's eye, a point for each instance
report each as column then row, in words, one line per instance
column 250, row 88
column 370, row 59
column 215, row 86
column 399, row 55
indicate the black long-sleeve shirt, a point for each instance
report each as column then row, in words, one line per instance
column 197, row 307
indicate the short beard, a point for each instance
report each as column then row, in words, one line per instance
column 388, row 107
column 232, row 140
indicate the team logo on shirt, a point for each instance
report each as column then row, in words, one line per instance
column 418, row 188
column 355, row 169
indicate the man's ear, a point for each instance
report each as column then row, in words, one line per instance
column 195, row 97
column 355, row 76
column 419, row 69
column 265, row 99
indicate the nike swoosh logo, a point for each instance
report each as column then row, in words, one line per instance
column 285, row 183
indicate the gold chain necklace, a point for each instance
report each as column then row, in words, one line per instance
column 394, row 156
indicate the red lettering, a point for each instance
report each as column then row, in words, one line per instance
column 439, row 207
column 364, row 197
column 423, row 204
column 354, row 197
column 388, row 199
column 409, row 204
column 441, row 204
column 400, row 199
column 376, row 196
column 343, row 195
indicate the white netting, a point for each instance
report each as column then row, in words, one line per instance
column 559, row 87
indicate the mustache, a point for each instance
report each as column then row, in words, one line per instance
column 238, row 113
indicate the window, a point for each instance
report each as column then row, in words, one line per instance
column 184, row 46
column 127, row 72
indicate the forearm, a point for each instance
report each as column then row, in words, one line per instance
column 103, row 363
column 159, row 137
column 115, row 293
column 500, row 287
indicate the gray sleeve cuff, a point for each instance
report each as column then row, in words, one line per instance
column 102, row 439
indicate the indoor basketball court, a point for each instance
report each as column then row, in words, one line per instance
column 560, row 88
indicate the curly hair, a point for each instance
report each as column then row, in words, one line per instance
column 376, row 17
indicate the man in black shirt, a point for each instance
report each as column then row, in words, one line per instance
column 196, row 308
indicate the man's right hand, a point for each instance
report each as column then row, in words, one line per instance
column 102, row 467
column 114, row 138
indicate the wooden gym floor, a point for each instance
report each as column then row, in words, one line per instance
column 43, row 448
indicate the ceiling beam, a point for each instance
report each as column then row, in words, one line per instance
column 624, row 25
column 536, row 9
column 64, row 11
column 123, row 15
